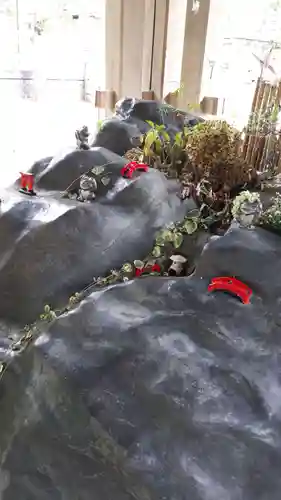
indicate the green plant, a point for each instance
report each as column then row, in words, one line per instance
column 100, row 124
column 174, row 234
column 154, row 139
column 74, row 299
column 214, row 153
column 271, row 218
column 211, row 150
column 263, row 123
column 207, row 159
column 48, row 314
column 244, row 198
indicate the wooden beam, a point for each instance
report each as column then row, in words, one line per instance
column 159, row 46
column 105, row 99
column 136, row 34
column 148, row 94
column 193, row 53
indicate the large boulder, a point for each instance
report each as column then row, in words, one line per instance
column 51, row 247
column 252, row 256
column 40, row 165
column 118, row 135
column 154, row 389
column 157, row 112
column 122, row 132
column 64, row 170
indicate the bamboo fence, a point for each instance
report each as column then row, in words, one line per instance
column 262, row 141
column 261, row 145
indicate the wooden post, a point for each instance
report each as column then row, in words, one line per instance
column 148, row 94
column 209, row 105
column 136, row 34
column 172, row 99
column 105, row 99
column 193, row 53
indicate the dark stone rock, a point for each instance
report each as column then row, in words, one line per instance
column 156, row 112
column 253, row 256
column 122, row 132
column 143, row 110
column 39, row 166
column 150, row 390
column 37, row 169
column 51, row 248
column 192, row 120
column 155, row 389
column 140, row 125
column 118, row 136
column 64, row 171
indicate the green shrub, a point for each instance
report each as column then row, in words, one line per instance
column 271, row 218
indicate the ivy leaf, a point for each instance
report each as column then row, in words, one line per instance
column 97, row 170
column 105, row 181
column 178, row 239
column 167, row 235
column 190, row 226
column 156, row 252
column 127, row 268
column 139, row 264
column 160, row 241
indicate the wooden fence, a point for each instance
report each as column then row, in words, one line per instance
column 262, row 141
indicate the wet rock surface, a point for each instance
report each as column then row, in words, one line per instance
column 153, row 389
